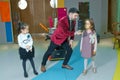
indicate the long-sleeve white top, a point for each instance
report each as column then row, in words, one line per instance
column 25, row 40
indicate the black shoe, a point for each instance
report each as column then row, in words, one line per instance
column 67, row 67
column 25, row 74
column 35, row 72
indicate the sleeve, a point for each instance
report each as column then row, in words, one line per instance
column 81, row 42
column 95, row 45
column 30, row 43
column 20, row 42
column 63, row 28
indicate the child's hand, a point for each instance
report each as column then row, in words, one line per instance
column 28, row 47
column 31, row 50
column 71, row 43
column 94, row 53
column 78, row 32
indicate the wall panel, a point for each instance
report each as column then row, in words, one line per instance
column 2, row 33
column 37, row 11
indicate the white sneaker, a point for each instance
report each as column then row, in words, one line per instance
column 84, row 72
column 94, row 70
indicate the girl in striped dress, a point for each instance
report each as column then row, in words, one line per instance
column 88, row 44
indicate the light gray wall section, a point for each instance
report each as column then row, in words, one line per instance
column 2, row 33
column 104, row 16
column 98, row 11
column 73, row 3
column 95, row 13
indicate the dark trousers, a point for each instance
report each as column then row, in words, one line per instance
column 52, row 47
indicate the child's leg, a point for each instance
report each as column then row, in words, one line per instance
column 85, row 66
column 85, row 63
column 93, row 64
column 33, row 66
column 24, row 67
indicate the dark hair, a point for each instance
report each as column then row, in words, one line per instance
column 73, row 10
column 92, row 23
column 21, row 26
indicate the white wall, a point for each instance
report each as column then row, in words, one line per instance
column 98, row 11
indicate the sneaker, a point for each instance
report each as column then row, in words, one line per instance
column 84, row 72
column 94, row 70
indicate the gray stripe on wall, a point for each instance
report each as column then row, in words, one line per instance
column 2, row 33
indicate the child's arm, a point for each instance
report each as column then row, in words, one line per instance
column 81, row 42
column 20, row 42
column 95, row 45
column 30, row 43
column 79, row 32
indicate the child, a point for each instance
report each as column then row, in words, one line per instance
column 88, row 44
column 26, row 49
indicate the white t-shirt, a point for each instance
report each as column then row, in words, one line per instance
column 25, row 40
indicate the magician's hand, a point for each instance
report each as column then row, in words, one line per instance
column 71, row 43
